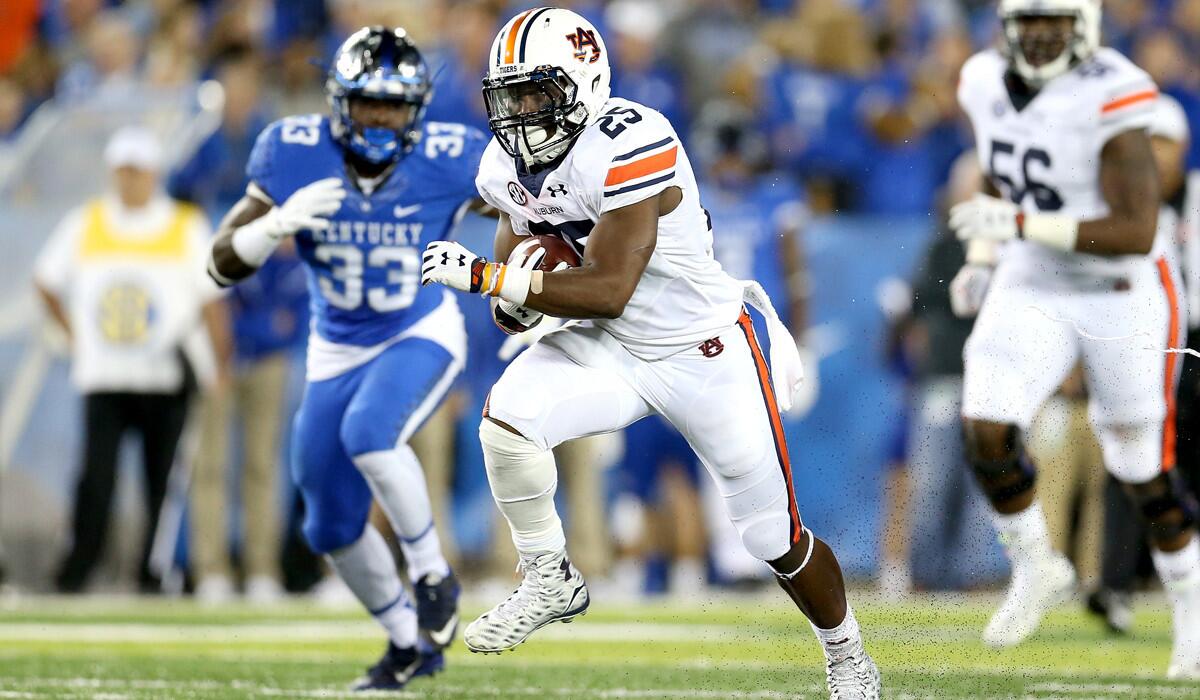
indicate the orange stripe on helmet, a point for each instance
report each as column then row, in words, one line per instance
column 511, row 44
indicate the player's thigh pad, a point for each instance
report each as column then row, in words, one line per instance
column 566, row 386
column 1016, row 356
column 337, row 499
column 725, row 406
column 399, row 390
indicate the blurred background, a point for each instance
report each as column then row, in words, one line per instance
column 827, row 140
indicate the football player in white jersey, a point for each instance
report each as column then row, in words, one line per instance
column 1060, row 125
column 662, row 329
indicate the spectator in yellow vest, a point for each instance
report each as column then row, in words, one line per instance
column 124, row 277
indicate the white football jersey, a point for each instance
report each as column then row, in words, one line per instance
column 630, row 154
column 1046, row 155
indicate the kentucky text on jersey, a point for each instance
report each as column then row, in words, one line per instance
column 386, row 233
column 364, row 270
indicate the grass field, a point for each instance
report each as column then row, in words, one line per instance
column 117, row 649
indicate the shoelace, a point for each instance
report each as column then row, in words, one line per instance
column 513, row 604
column 846, row 674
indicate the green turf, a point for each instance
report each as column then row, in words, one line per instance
column 724, row 650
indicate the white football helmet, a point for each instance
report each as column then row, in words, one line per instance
column 548, row 79
column 1083, row 43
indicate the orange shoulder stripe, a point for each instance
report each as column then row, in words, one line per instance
column 1128, row 100
column 641, row 168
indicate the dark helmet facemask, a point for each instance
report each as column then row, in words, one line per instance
column 536, row 116
column 379, row 64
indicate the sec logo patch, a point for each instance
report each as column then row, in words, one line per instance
column 517, row 194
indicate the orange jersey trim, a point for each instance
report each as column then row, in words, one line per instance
column 1128, row 100
column 511, row 44
column 641, row 168
column 1169, row 436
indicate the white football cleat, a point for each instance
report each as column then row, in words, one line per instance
column 1035, row 589
column 552, row 591
column 852, row 676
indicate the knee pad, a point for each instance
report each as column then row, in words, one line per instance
column 766, row 536
column 1133, row 453
column 1166, row 506
column 325, row 535
column 517, row 469
column 1002, row 468
column 360, row 434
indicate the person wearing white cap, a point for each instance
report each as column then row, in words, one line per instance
column 124, row 276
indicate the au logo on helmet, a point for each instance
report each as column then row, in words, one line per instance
column 581, row 40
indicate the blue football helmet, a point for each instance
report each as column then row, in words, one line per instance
column 379, row 64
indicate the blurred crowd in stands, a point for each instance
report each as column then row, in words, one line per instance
column 848, row 104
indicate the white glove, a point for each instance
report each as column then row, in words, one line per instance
column 307, row 208
column 451, row 264
column 968, row 289
column 806, row 394
column 528, row 317
column 986, row 218
column 517, row 342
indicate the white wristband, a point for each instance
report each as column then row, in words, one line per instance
column 255, row 241
column 1054, row 230
column 512, row 284
column 982, row 251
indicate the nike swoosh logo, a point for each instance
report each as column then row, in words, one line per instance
column 401, row 211
column 443, row 636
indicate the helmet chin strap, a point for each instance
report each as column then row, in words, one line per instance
column 1037, row 76
column 535, row 136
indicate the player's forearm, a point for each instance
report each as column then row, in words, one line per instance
column 1118, row 235
column 226, row 266
column 582, row 292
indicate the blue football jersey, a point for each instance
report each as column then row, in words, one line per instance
column 364, row 272
column 747, row 222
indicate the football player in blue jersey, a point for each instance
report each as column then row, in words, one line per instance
column 363, row 191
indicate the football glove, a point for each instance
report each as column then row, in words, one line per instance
column 307, row 209
column 968, row 289
column 451, row 264
column 986, row 218
column 513, row 345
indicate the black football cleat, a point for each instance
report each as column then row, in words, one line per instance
column 398, row 667
column 437, row 607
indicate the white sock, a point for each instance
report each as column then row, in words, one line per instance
column 523, row 480
column 423, row 555
column 1179, row 570
column 843, row 640
column 1024, row 535
column 398, row 484
column 369, row 570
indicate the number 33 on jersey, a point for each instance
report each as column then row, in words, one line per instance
column 364, row 271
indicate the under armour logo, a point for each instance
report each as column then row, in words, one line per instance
column 712, row 347
column 462, row 259
column 565, row 566
column 556, row 190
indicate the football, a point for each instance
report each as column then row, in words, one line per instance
column 557, row 254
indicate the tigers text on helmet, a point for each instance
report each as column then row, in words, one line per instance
column 1082, row 43
column 377, row 63
column 548, row 79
